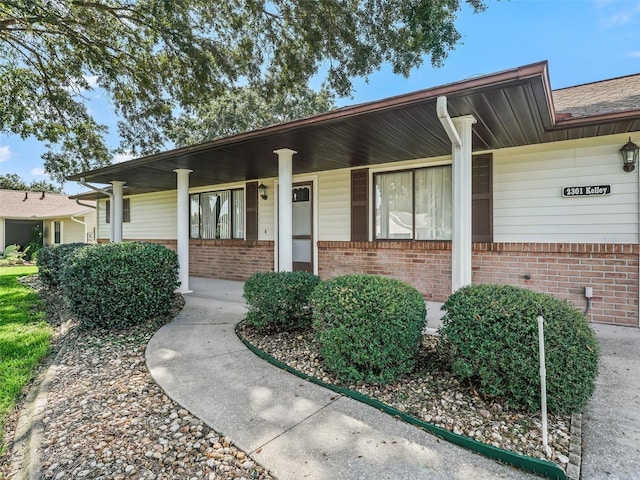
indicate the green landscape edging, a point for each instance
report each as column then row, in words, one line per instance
column 530, row 464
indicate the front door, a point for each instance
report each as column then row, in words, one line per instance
column 302, row 227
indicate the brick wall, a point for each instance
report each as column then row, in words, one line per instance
column 562, row 269
column 425, row 265
column 230, row 259
column 224, row 259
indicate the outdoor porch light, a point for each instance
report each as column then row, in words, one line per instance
column 262, row 190
column 629, row 156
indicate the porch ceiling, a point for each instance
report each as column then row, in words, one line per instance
column 512, row 108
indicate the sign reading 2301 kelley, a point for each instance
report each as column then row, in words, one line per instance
column 586, row 191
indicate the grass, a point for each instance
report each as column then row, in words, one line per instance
column 25, row 337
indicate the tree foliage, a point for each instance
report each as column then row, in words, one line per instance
column 11, row 181
column 244, row 109
column 157, row 57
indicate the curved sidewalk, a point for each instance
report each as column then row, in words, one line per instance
column 295, row 429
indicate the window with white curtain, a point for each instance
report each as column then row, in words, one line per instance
column 238, row 213
column 194, row 216
column 217, row 215
column 413, row 204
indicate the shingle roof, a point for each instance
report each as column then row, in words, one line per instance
column 19, row 204
column 598, row 98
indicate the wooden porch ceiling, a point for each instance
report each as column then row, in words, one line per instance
column 512, row 108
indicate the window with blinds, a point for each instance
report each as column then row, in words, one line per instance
column 217, row 215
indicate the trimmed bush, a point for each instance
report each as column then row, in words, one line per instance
column 369, row 327
column 118, row 285
column 51, row 262
column 491, row 335
column 279, row 300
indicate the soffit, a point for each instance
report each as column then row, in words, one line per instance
column 512, row 108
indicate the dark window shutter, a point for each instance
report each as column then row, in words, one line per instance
column 482, row 198
column 360, row 205
column 126, row 209
column 251, row 206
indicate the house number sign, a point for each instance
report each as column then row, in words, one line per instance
column 587, row 191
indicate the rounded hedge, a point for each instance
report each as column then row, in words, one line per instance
column 52, row 260
column 491, row 335
column 279, row 300
column 369, row 327
column 120, row 284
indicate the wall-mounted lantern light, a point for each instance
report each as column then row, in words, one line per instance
column 629, row 156
column 262, row 190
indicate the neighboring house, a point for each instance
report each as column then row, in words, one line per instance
column 492, row 179
column 56, row 218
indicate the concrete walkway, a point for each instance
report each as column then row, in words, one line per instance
column 302, row 431
column 611, row 421
column 295, row 429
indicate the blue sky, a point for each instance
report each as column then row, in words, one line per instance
column 583, row 40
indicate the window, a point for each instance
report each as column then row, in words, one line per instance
column 57, row 233
column 126, row 210
column 217, row 215
column 413, row 204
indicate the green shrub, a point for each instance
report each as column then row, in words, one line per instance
column 51, row 261
column 369, row 327
column 37, row 236
column 120, row 284
column 491, row 335
column 279, row 300
column 12, row 255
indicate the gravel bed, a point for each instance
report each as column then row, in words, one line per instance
column 106, row 418
column 431, row 393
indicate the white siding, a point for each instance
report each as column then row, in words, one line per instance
column 334, row 205
column 528, row 202
column 152, row 217
column 73, row 232
column 102, row 228
column 266, row 212
column 1, row 234
column 90, row 219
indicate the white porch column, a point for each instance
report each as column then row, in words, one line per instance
column 183, row 228
column 285, row 209
column 117, row 217
column 461, row 246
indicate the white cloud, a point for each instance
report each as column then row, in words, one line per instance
column 92, row 80
column 123, row 157
column 5, row 153
column 618, row 19
column 38, row 172
column 618, row 14
column 634, row 54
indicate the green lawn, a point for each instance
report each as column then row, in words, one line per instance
column 25, row 336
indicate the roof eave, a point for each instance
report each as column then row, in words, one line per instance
column 543, row 99
column 586, row 121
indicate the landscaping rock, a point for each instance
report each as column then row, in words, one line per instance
column 430, row 393
column 107, row 419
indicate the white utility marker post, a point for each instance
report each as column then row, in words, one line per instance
column 543, row 383
column 285, row 209
column 117, row 217
column 183, row 228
